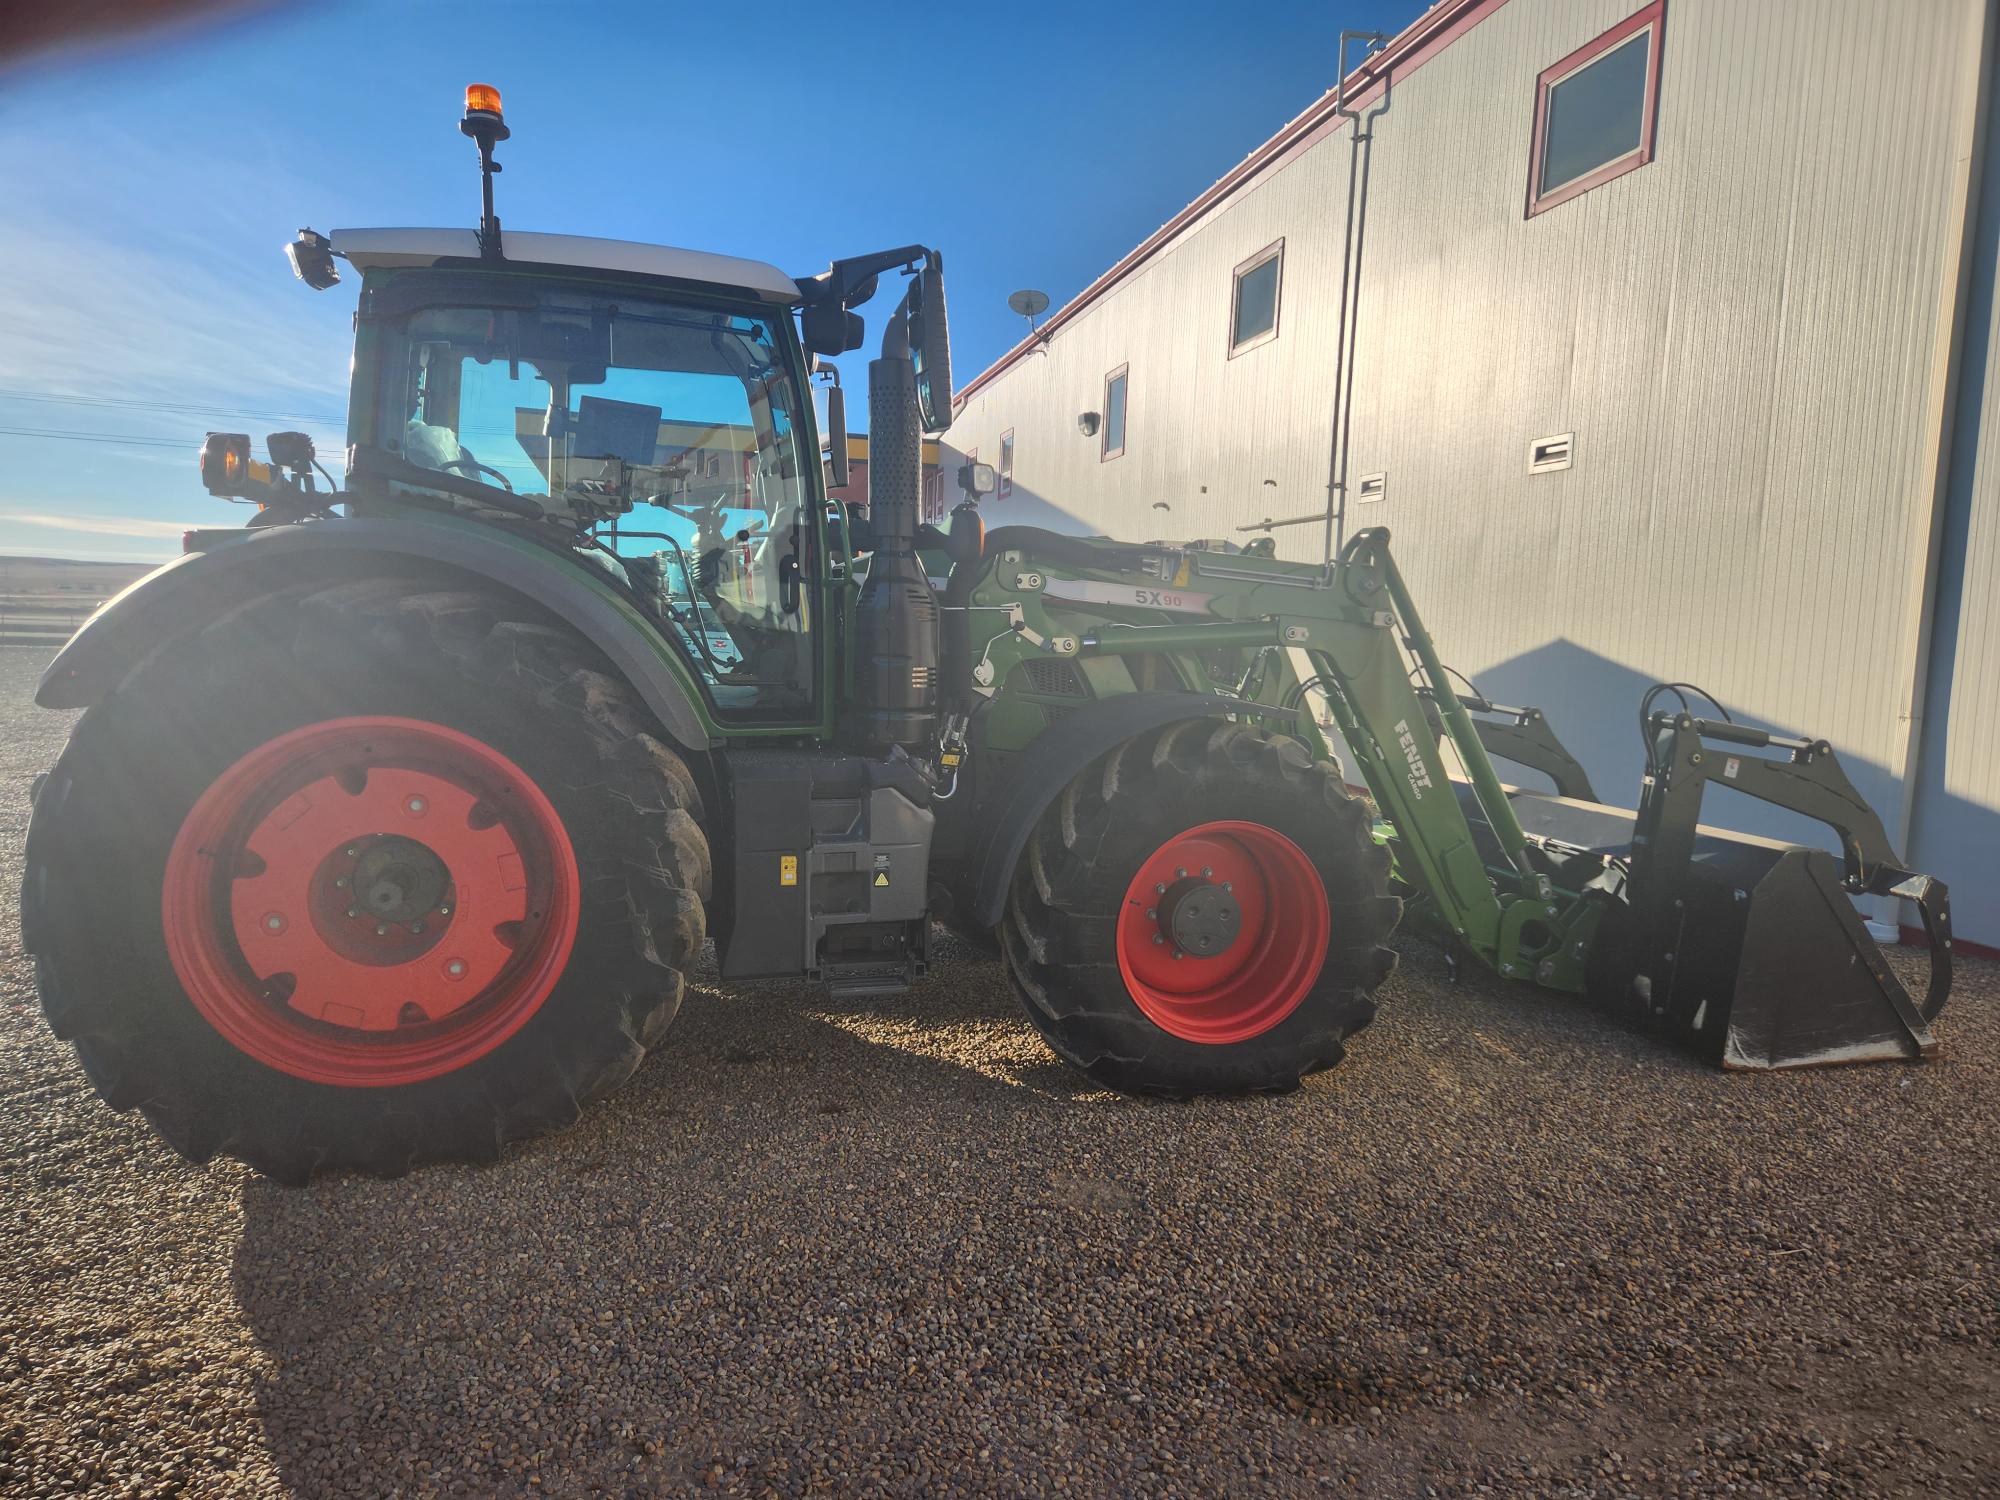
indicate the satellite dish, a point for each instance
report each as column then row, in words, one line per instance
column 1030, row 304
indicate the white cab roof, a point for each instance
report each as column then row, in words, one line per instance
column 422, row 247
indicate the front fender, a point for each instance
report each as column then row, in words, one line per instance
column 192, row 590
column 1054, row 759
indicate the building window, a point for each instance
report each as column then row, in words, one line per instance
column 1005, row 487
column 1113, row 437
column 1253, row 299
column 1595, row 111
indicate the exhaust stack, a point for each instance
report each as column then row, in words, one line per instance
column 896, row 673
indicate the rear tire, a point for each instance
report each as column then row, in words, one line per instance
column 1298, row 949
column 572, row 834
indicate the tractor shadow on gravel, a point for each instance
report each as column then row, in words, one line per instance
column 854, row 1245
column 785, row 1185
column 782, row 1160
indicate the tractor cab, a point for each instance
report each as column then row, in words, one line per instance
column 644, row 404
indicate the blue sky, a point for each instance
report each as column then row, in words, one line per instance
column 150, row 187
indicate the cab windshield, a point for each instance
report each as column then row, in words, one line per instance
column 669, row 429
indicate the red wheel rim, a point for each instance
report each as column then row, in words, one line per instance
column 370, row 901
column 1254, row 898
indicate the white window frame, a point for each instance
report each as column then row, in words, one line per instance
column 1273, row 251
column 1105, row 452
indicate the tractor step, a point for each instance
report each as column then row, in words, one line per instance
column 872, row 977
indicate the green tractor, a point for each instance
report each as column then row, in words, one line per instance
column 398, row 818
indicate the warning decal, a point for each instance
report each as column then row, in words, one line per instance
column 881, row 870
column 788, row 869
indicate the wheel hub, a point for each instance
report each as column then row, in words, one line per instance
column 1199, row 917
column 399, row 880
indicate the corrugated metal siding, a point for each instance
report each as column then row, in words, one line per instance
column 1741, row 335
column 1957, row 822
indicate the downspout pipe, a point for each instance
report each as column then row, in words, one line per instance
column 1350, row 291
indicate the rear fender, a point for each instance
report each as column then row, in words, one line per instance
column 193, row 590
column 1057, row 757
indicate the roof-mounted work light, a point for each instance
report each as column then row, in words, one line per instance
column 484, row 123
column 311, row 255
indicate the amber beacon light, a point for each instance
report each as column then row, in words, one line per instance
column 483, row 123
column 482, row 99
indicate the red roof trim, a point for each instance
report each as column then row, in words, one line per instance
column 1437, row 28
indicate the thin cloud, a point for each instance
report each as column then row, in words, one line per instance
column 92, row 309
column 99, row 525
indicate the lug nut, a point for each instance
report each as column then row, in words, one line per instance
column 341, row 881
column 354, row 911
column 455, row 969
column 1159, row 890
column 1207, row 873
column 1158, row 938
column 1152, row 914
column 416, row 927
column 274, row 923
column 353, row 851
column 415, row 807
column 1178, row 955
column 1181, row 874
column 381, row 929
column 1228, row 885
column 444, row 911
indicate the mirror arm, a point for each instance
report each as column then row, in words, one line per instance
column 896, row 332
column 843, row 278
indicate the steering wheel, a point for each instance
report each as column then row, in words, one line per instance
column 469, row 462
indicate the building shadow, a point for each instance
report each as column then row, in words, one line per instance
column 1592, row 702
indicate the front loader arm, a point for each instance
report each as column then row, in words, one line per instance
column 1099, row 601
column 1352, row 622
column 1381, row 715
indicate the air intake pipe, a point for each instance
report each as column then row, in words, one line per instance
column 896, row 625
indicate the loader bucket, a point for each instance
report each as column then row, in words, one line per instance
column 1771, row 966
column 1751, row 951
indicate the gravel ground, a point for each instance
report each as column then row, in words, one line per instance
column 1506, row 1248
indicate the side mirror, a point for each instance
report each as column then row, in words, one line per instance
column 837, row 473
column 930, row 346
column 829, row 328
column 978, row 479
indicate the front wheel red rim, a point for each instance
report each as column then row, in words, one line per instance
column 370, row 901
column 1223, row 931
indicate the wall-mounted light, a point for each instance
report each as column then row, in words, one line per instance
column 1086, row 423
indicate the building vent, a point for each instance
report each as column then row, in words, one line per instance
column 1546, row 455
column 1372, row 487
column 1054, row 679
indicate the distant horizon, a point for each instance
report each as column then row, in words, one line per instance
column 166, row 548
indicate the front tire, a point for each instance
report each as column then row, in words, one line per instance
column 1201, row 912
column 362, row 875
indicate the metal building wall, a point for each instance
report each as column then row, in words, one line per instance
column 1958, row 786
column 1747, row 337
